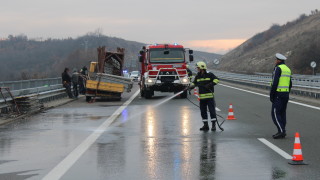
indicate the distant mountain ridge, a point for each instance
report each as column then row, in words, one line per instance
column 22, row 58
column 299, row 40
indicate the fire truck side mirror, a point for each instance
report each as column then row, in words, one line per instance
column 190, row 51
column 190, row 58
column 141, row 52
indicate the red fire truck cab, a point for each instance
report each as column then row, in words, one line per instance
column 164, row 69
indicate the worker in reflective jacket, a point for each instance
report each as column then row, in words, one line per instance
column 279, row 94
column 206, row 82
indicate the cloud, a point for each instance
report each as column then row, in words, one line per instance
column 220, row 46
column 69, row 26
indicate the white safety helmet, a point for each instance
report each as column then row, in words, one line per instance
column 281, row 57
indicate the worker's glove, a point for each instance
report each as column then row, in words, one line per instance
column 271, row 98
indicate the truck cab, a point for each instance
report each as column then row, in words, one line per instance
column 164, row 69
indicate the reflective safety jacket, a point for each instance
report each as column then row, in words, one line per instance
column 205, row 82
column 281, row 79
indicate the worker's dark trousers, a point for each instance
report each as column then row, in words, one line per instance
column 75, row 89
column 68, row 89
column 278, row 112
column 206, row 104
column 82, row 89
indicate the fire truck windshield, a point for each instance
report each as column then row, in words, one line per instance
column 161, row 55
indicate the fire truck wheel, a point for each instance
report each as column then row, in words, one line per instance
column 142, row 92
column 148, row 94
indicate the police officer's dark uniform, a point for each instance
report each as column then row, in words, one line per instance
column 279, row 94
column 206, row 81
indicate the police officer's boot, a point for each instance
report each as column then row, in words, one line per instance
column 205, row 127
column 213, row 128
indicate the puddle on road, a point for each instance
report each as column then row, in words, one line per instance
column 18, row 175
column 98, row 117
column 108, row 105
column 278, row 173
column 75, row 116
column 6, row 161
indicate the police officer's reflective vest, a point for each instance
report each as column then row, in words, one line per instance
column 284, row 80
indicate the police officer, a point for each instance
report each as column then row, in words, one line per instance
column 206, row 81
column 279, row 94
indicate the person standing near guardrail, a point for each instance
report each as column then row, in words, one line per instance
column 82, row 80
column 75, row 82
column 279, row 94
column 66, row 81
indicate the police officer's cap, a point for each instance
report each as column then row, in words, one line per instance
column 280, row 57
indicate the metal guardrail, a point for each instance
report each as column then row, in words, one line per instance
column 43, row 89
column 33, row 91
column 302, row 81
column 33, row 83
column 302, row 84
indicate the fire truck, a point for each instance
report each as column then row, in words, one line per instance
column 164, row 69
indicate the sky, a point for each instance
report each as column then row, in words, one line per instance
column 207, row 25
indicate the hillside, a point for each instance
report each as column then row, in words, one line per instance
column 22, row 58
column 207, row 57
column 299, row 40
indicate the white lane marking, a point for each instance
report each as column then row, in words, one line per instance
column 275, row 148
column 217, row 109
column 306, row 105
column 293, row 102
column 58, row 171
column 244, row 90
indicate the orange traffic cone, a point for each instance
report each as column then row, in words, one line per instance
column 230, row 113
column 196, row 93
column 297, row 158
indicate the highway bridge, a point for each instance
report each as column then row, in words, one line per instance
column 159, row 138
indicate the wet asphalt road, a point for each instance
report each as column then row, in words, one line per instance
column 151, row 141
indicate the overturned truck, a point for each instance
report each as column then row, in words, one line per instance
column 105, row 78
